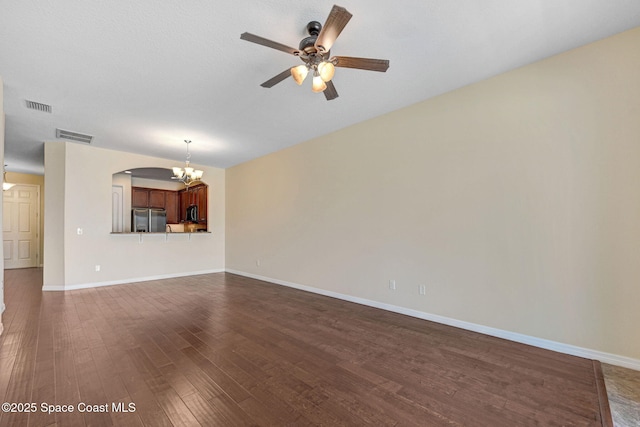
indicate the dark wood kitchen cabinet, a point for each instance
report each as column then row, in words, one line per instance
column 184, row 204
column 157, row 199
column 200, row 200
column 139, row 197
column 172, row 205
column 175, row 203
column 196, row 195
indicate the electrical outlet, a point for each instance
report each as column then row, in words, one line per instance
column 392, row 285
column 79, row 231
column 97, row 267
column 258, row 262
column 422, row 289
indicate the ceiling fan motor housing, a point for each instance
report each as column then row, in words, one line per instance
column 308, row 43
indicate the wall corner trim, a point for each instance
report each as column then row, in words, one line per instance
column 613, row 359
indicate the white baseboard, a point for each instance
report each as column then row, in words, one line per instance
column 125, row 281
column 609, row 358
column 53, row 288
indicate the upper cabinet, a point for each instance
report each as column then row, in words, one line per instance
column 148, row 197
column 195, row 196
column 172, row 206
column 201, row 201
column 139, row 197
column 157, row 199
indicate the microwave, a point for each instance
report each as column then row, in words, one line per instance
column 192, row 213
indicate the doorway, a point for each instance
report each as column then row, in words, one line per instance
column 21, row 226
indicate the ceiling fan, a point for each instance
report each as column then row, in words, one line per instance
column 314, row 51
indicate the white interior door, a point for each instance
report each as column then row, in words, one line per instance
column 21, row 208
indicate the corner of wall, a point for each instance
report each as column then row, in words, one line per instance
column 2, row 306
column 54, row 203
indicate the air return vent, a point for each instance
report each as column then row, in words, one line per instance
column 73, row 136
column 38, row 106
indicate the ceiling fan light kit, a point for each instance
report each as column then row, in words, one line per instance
column 314, row 51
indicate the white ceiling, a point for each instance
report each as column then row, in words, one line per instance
column 141, row 76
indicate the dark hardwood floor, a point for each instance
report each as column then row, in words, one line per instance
column 224, row 350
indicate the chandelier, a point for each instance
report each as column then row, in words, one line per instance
column 188, row 175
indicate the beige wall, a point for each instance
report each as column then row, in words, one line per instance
column 514, row 201
column 2, row 306
column 22, row 178
column 83, row 190
column 54, row 210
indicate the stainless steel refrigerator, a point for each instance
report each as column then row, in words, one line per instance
column 145, row 220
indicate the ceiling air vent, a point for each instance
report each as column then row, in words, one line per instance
column 73, row 136
column 38, row 106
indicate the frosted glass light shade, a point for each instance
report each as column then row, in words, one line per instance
column 178, row 172
column 326, row 70
column 318, row 84
column 299, row 73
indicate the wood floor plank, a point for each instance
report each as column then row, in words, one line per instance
column 147, row 406
column 224, row 381
column 220, row 349
column 91, row 392
column 44, row 373
column 205, row 412
column 6, row 369
column 66, row 389
column 112, row 384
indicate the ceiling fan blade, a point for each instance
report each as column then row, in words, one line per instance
column 362, row 63
column 337, row 20
column 330, row 92
column 269, row 43
column 277, row 79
